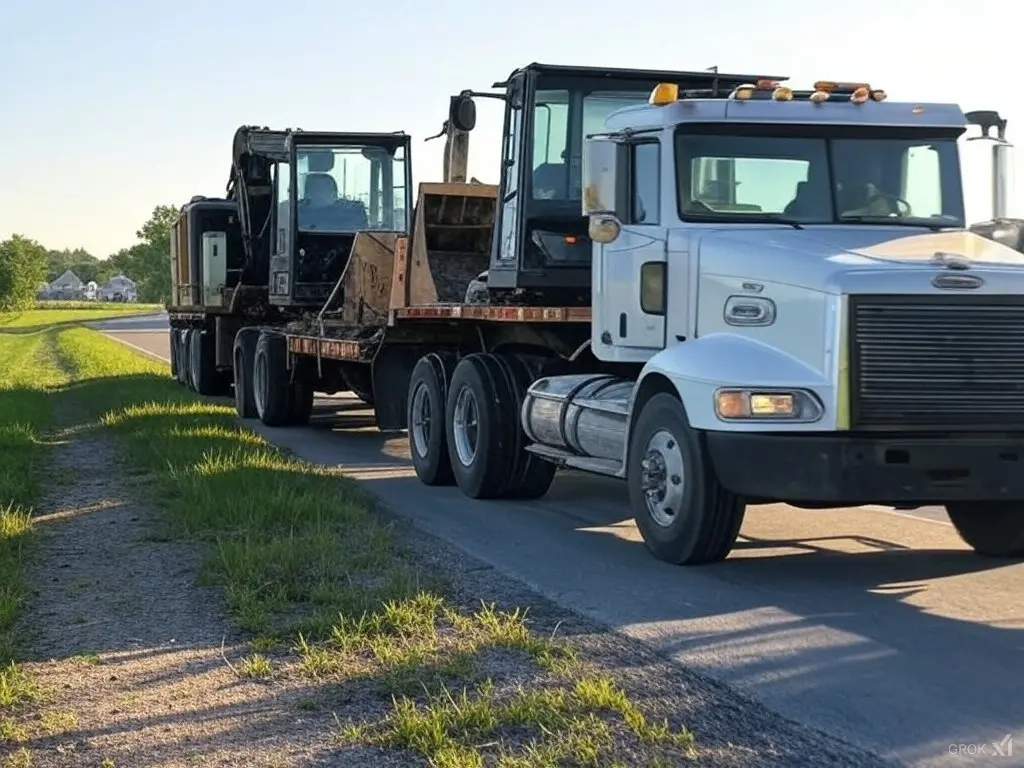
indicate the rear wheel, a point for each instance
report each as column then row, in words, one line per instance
column 428, row 441
column 992, row 528
column 243, row 356
column 300, row 402
column 172, row 338
column 181, row 344
column 684, row 515
column 206, row 379
column 531, row 475
column 270, row 380
column 485, row 441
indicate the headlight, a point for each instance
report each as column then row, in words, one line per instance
column 767, row 405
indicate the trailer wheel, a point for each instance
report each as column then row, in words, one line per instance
column 480, row 422
column 206, row 380
column 270, row 380
column 428, row 439
column 300, row 402
column 181, row 339
column 190, row 341
column 993, row 528
column 684, row 515
column 243, row 354
column 172, row 338
column 531, row 475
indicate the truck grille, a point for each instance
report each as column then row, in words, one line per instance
column 936, row 362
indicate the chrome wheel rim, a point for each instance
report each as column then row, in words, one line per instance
column 465, row 426
column 421, row 420
column 663, row 478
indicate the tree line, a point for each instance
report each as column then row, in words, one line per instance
column 25, row 264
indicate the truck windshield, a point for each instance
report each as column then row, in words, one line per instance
column 350, row 188
column 561, row 119
column 820, row 180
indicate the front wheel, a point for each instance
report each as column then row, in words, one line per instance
column 684, row 515
column 992, row 528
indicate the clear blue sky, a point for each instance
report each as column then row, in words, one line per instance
column 111, row 107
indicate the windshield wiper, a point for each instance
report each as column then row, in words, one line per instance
column 738, row 219
column 889, row 221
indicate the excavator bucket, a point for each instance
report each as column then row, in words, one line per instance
column 450, row 244
column 366, row 283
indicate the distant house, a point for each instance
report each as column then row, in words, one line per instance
column 67, row 286
column 43, row 291
column 118, row 288
column 90, row 291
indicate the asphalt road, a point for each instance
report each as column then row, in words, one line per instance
column 880, row 628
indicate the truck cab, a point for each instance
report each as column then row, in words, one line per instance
column 808, row 320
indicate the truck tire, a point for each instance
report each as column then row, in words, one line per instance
column 243, row 354
column 531, row 476
column 300, row 402
column 172, row 339
column 482, row 424
column 428, row 439
column 190, row 342
column 181, row 337
column 270, row 380
column 206, row 379
column 992, row 528
column 694, row 520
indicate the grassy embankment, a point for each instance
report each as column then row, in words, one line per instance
column 322, row 580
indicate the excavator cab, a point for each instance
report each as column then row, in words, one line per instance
column 539, row 248
column 303, row 198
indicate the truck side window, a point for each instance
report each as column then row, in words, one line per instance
column 645, row 182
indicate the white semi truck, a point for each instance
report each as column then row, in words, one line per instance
column 806, row 317
column 717, row 288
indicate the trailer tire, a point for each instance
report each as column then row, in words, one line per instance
column 703, row 526
column 300, row 402
column 428, row 396
column 270, row 380
column 243, row 354
column 479, row 418
column 531, row 476
column 992, row 529
column 202, row 360
column 189, row 343
column 180, row 338
column 172, row 339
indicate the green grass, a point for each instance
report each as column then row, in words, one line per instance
column 28, row 370
column 327, row 587
column 118, row 307
column 47, row 317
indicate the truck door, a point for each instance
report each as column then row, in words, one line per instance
column 634, row 265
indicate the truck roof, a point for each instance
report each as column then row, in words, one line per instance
column 766, row 111
column 724, row 79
